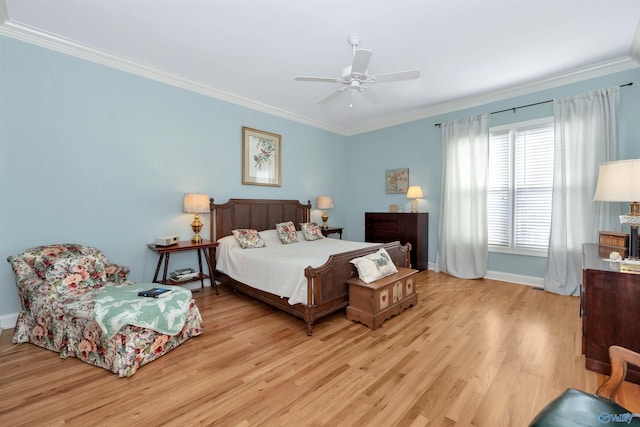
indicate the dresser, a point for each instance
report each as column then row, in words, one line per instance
column 384, row 227
column 610, row 310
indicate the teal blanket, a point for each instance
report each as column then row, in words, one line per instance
column 117, row 306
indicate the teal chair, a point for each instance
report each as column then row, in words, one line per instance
column 577, row 408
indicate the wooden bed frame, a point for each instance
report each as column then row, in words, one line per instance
column 326, row 288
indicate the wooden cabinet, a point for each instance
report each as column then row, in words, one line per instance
column 413, row 228
column 610, row 309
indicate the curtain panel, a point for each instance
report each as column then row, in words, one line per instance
column 586, row 134
column 463, row 236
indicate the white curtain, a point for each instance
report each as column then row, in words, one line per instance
column 586, row 134
column 463, row 236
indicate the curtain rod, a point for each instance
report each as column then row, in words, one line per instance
column 530, row 105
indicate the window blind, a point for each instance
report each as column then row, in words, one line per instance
column 499, row 194
column 520, row 186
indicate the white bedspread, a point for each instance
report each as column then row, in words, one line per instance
column 278, row 268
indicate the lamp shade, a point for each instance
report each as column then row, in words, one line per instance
column 619, row 181
column 324, row 202
column 414, row 192
column 196, row 203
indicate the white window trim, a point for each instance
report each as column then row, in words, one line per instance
column 519, row 251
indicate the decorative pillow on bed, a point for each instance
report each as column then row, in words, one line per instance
column 311, row 231
column 68, row 275
column 248, row 238
column 287, row 232
column 374, row 266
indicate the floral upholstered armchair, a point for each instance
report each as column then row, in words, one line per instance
column 58, row 286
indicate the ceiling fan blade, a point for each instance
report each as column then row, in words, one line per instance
column 361, row 61
column 400, row 75
column 318, row 79
column 333, row 95
column 371, row 95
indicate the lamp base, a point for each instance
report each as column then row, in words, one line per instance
column 633, row 219
column 324, row 217
column 633, row 242
column 414, row 206
column 196, row 226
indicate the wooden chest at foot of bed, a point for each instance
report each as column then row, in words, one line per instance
column 373, row 303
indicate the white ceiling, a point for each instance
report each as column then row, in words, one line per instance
column 248, row 52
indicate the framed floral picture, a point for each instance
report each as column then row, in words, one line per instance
column 260, row 157
column 397, row 180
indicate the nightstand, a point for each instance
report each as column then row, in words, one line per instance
column 204, row 247
column 331, row 230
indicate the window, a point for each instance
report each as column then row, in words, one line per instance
column 520, row 184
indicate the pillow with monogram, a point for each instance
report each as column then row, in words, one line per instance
column 248, row 238
column 311, row 231
column 287, row 232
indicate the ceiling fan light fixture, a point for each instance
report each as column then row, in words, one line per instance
column 355, row 76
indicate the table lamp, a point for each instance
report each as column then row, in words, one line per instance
column 324, row 203
column 619, row 181
column 196, row 204
column 414, row 192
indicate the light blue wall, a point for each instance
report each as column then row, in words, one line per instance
column 418, row 146
column 93, row 155
column 414, row 145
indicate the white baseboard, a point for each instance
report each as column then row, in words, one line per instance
column 536, row 282
column 8, row 321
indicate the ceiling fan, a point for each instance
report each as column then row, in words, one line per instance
column 355, row 76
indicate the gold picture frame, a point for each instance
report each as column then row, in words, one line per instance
column 261, row 154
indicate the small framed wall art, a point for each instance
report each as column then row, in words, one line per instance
column 261, row 155
column 396, row 180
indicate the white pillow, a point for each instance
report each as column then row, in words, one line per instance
column 374, row 266
column 270, row 237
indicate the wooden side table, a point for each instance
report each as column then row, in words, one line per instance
column 331, row 230
column 204, row 247
column 373, row 303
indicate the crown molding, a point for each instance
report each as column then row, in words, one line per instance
column 57, row 43
column 634, row 51
column 586, row 73
column 4, row 13
column 60, row 44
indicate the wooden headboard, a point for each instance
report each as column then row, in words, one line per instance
column 259, row 214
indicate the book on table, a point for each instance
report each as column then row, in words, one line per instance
column 184, row 277
column 183, row 271
column 154, row 292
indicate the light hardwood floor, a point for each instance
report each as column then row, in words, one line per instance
column 471, row 353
